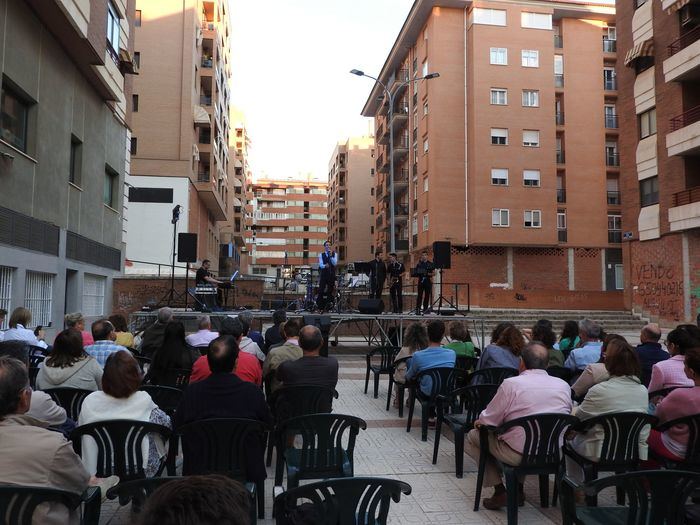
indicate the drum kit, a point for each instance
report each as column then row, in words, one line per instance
column 338, row 301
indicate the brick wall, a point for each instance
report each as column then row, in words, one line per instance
column 588, row 269
column 540, row 268
column 694, row 259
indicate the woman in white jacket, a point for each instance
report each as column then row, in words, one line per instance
column 68, row 366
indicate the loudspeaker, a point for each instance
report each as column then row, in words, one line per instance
column 371, row 306
column 186, row 247
column 441, row 254
column 323, row 322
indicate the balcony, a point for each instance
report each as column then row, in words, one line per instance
column 401, row 245
column 609, row 46
column 558, row 42
column 380, row 191
column 683, row 60
column 612, row 159
column 399, row 117
column 614, row 236
column 562, row 235
column 414, row 240
column 560, row 157
column 203, row 175
column 559, row 119
column 401, row 176
column 611, row 121
column 561, row 196
column 610, row 84
column 401, row 210
column 684, row 138
column 400, row 148
column 207, row 62
column 559, row 81
column 614, row 198
column 398, row 82
column 685, row 213
column 205, row 100
column 379, row 221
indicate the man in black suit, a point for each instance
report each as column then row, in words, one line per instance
column 395, row 269
column 224, row 395
column 377, row 276
column 312, row 368
column 424, row 270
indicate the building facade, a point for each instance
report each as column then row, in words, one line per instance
column 65, row 68
column 181, row 130
column 351, row 187
column 660, row 156
column 512, row 153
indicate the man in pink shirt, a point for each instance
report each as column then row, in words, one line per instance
column 532, row 392
column 668, row 373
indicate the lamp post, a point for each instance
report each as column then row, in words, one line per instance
column 389, row 95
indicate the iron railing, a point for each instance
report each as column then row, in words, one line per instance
column 685, row 119
column 686, row 196
column 684, row 41
column 614, row 198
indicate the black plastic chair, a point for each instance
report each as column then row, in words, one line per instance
column 442, row 381
column 175, row 377
column 657, row 395
column 35, row 358
column 400, row 387
column 561, row 372
column 491, row 376
column 541, row 456
column 459, row 410
column 33, row 371
column 620, row 447
column 166, row 397
column 692, row 451
column 380, row 361
column 340, row 501
column 71, row 399
column 322, row 453
column 144, row 362
column 466, row 363
column 18, row 503
column 656, row 497
column 222, row 447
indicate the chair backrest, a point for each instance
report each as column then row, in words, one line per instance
column 657, row 395
column 543, row 437
column 561, row 372
column 471, row 400
column 341, row 501
column 71, row 399
column 17, row 503
column 466, row 363
column 692, row 452
column 119, row 445
column 221, row 445
column 383, row 357
column 33, row 371
column 175, row 377
column 322, row 437
column 442, row 381
column 36, row 358
column 144, row 362
column 620, row 436
column 492, row 376
column 166, row 397
column 138, row 491
column 300, row 400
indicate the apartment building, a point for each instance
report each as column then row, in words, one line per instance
column 512, row 153
column 351, row 187
column 659, row 86
column 180, row 140
column 65, row 71
column 287, row 225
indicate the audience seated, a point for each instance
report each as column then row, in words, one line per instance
column 596, row 372
column 679, row 403
column 69, row 366
column 415, row 338
column 504, row 350
column 124, row 337
column 204, row 334
column 204, row 500
column 40, row 335
column 461, row 340
column 532, row 392
column 19, row 320
column 247, row 344
column 224, row 395
column 121, row 398
column 31, row 455
column 622, row 392
column 273, row 335
column 152, row 338
column 434, row 356
column 668, row 373
column 311, row 368
column 289, row 351
column 544, row 333
column 569, row 338
column 104, row 335
column 77, row 321
column 589, row 351
column 650, row 351
column 246, row 318
column 247, row 365
column 173, row 354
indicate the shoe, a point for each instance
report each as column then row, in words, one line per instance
column 105, row 484
column 431, row 422
column 500, row 500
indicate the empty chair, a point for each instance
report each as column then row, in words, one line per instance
column 71, row 399
column 380, row 361
column 491, row 376
column 442, row 382
column 166, row 397
column 18, row 503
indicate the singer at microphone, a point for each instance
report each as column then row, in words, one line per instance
column 327, row 261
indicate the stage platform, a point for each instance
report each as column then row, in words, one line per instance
column 375, row 329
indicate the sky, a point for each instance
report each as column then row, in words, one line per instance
column 290, row 64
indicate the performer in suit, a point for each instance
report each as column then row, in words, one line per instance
column 395, row 270
column 424, row 270
column 327, row 261
column 377, row 276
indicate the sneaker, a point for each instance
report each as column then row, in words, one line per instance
column 500, row 500
column 105, row 484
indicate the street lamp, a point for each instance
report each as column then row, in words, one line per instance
column 390, row 97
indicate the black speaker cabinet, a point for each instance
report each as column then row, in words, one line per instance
column 371, row 306
column 187, row 247
column 441, row 254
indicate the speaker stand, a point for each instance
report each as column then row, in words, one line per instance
column 442, row 299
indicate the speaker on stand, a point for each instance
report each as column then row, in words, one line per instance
column 442, row 259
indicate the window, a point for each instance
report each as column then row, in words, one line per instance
column 558, row 65
column 112, row 28
column 6, row 274
column 425, row 222
column 609, row 78
column 76, row 157
column 425, row 108
column 137, row 58
column 110, row 187
column 137, row 18
column 531, row 138
column 93, row 295
column 647, row 123
column 424, row 70
column 499, row 56
column 134, row 146
column 500, row 218
column 649, row 191
column 561, row 219
column 533, row 219
column 490, row 17
column 425, row 184
column 134, row 103
column 38, row 293
column 14, row 113
column 414, row 225
column 425, row 145
column 499, row 136
column 499, row 97
column 531, row 98
column 499, row 177
column 536, row 20
column 531, row 178
column 530, row 58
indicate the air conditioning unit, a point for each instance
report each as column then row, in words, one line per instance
column 689, row 15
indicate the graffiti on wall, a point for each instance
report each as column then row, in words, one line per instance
column 659, row 289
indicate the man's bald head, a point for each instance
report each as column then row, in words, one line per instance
column 651, row 333
column 310, row 339
column 222, row 355
column 535, row 356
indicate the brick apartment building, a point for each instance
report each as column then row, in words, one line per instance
column 659, row 86
column 511, row 154
column 351, row 186
column 287, row 223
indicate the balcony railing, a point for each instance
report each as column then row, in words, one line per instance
column 558, row 80
column 207, row 62
column 559, row 119
column 203, row 176
column 380, row 191
column 401, row 143
column 379, row 220
column 611, row 121
column 561, row 196
column 562, row 235
column 401, row 245
column 609, row 46
column 614, row 236
column 685, row 119
column 402, row 76
column 686, row 196
column 401, row 209
column 558, row 42
column 560, row 157
column 205, row 138
column 401, row 175
column 614, row 198
column 414, row 240
column 610, row 84
column 205, row 100
column 612, row 159
column 684, row 41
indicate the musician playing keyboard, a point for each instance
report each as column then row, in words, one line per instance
column 205, row 278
